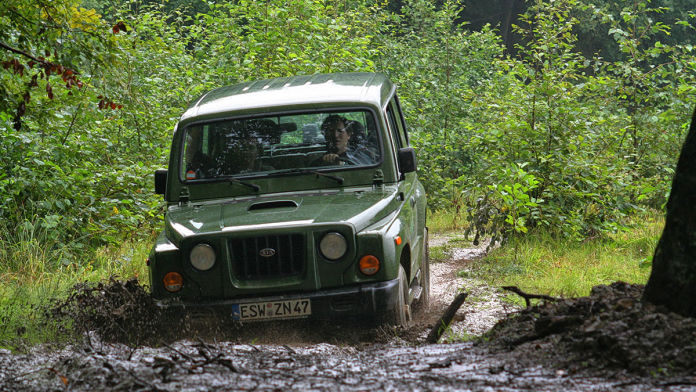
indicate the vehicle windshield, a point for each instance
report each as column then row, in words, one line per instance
column 264, row 145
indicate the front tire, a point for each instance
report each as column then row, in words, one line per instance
column 400, row 315
column 424, row 302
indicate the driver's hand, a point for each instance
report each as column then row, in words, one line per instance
column 330, row 158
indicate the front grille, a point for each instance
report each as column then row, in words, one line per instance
column 288, row 258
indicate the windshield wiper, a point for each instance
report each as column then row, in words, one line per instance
column 338, row 179
column 255, row 187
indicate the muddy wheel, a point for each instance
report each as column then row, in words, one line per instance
column 424, row 301
column 400, row 315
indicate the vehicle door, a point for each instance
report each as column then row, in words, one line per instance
column 410, row 189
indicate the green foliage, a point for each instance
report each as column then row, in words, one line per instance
column 439, row 68
column 249, row 40
column 562, row 117
column 654, row 87
column 79, row 166
column 514, row 196
column 79, row 169
column 548, row 129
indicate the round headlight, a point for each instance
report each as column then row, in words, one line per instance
column 333, row 246
column 203, row 257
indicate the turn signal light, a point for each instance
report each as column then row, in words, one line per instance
column 397, row 240
column 369, row 265
column 173, row 281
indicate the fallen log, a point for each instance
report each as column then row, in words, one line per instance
column 546, row 326
column 528, row 296
column 444, row 321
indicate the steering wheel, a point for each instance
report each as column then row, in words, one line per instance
column 346, row 160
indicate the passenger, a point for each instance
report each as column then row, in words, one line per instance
column 198, row 164
column 243, row 154
column 343, row 143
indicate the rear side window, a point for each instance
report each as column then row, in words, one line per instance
column 400, row 119
column 396, row 123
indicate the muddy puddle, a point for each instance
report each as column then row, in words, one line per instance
column 606, row 342
column 194, row 366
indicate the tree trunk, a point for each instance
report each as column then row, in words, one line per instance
column 511, row 8
column 672, row 282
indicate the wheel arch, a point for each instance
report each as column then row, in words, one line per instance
column 405, row 260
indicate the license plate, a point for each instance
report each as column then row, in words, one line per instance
column 291, row 308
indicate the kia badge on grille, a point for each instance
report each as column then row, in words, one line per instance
column 267, row 252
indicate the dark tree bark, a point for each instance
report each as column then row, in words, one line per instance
column 511, row 9
column 672, row 282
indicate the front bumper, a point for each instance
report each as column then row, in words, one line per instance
column 370, row 300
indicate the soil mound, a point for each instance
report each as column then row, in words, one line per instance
column 609, row 332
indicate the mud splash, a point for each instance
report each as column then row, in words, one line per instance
column 123, row 312
column 118, row 311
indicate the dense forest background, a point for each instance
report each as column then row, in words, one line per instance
column 566, row 115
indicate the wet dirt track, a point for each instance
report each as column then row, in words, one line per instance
column 304, row 355
column 198, row 366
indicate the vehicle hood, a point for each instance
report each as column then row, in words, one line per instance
column 358, row 207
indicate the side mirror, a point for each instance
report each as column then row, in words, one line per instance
column 160, row 181
column 407, row 160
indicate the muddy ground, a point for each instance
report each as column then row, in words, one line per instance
column 605, row 342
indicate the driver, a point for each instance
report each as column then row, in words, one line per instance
column 339, row 133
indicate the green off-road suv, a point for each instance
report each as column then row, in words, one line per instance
column 294, row 197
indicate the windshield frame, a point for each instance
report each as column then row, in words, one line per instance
column 280, row 172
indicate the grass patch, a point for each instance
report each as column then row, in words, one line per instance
column 541, row 263
column 443, row 221
column 460, row 242
column 440, row 253
column 450, row 226
column 31, row 275
column 443, row 252
column 460, row 337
